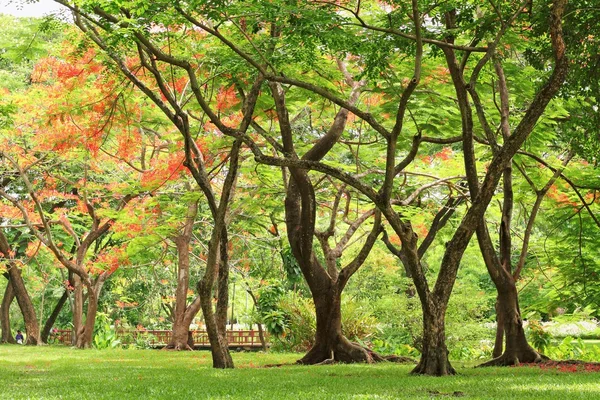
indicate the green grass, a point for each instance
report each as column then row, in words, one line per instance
column 60, row 372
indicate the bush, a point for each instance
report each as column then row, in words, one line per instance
column 358, row 323
column 538, row 336
column 104, row 335
column 300, row 324
column 297, row 315
column 573, row 349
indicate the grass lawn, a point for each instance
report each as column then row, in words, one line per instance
column 59, row 372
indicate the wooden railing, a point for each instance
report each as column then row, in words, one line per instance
column 158, row 338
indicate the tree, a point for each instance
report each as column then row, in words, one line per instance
column 317, row 33
column 43, row 185
column 162, row 89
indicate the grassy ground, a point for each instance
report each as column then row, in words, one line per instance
column 59, row 372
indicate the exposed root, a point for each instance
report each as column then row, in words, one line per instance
column 328, row 361
column 278, row 365
column 347, row 352
column 433, row 370
column 509, row 359
column 178, row 347
column 433, row 366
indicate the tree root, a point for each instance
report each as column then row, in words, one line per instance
column 510, row 359
column 178, row 347
column 433, row 369
column 348, row 352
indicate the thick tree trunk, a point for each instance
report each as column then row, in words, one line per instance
column 77, row 309
column 223, row 286
column 180, row 338
column 85, row 336
column 330, row 343
column 9, row 295
column 499, row 341
column 181, row 324
column 517, row 349
column 52, row 318
column 182, row 313
column 218, row 342
column 32, row 327
column 434, row 356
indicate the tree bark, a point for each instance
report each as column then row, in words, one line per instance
column 517, row 348
column 32, row 327
column 77, row 310
column 434, row 355
column 330, row 343
column 26, row 305
column 52, row 318
column 499, row 340
column 9, row 295
column 216, row 261
column 223, row 285
column 218, row 343
column 183, row 314
column 85, row 335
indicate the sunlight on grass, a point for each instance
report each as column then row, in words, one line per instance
column 59, row 372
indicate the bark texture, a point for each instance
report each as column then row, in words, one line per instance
column 330, row 343
column 20, row 292
column 7, row 300
column 434, row 359
column 183, row 314
column 326, row 282
column 52, row 318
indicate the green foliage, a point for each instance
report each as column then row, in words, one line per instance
column 358, row 321
column 300, row 323
column 291, row 267
column 23, row 41
column 538, row 336
column 573, row 349
column 104, row 334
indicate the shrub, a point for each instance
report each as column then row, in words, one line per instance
column 300, row 324
column 539, row 338
column 104, row 335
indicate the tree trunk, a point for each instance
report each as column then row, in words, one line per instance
column 218, row 343
column 223, row 286
column 517, row 349
column 32, row 327
column 261, row 337
column 330, row 343
column 180, row 338
column 9, row 295
column 77, row 309
column 499, row 341
column 85, row 336
column 182, row 313
column 52, row 318
column 434, row 356
column 181, row 327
